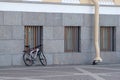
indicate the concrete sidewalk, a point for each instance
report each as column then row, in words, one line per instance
column 69, row 72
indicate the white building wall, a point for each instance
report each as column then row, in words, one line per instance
column 57, row 8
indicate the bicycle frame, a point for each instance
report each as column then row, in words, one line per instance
column 30, row 55
column 36, row 52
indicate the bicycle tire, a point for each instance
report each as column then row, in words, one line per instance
column 27, row 60
column 42, row 59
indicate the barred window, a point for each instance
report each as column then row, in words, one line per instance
column 71, row 1
column 106, row 2
column 33, row 35
column 107, row 38
column 72, row 39
column 32, row 0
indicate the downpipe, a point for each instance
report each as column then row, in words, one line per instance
column 97, row 58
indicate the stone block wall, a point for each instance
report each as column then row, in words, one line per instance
column 12, row 37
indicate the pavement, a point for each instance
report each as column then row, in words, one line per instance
column 65, row 72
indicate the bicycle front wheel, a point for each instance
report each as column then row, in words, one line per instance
column 42, row 59
column 27, row 59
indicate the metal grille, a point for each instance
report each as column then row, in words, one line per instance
column 32, row 0
column 107, row 39
column 33, row 35
column 71, row 1
column 106, row 2
column 72, row 39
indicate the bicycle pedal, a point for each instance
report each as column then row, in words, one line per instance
column 33, row 62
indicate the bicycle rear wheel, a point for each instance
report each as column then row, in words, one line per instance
column 42, row 59
column 27, row 59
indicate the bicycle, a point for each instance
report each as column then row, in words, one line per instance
column 30, row 56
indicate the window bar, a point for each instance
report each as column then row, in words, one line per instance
column 78, row 39
column 41, row 37
column 29, row 34
column 25, row 36
column 36, row 36
column 109, row 39
column 33, row 36
column 65, row 31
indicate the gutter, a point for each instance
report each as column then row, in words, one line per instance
column 96, row 33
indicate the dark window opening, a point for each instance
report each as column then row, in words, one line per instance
column 107, row 38
column 72, row 39
column 33, row 36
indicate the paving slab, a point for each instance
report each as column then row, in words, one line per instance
column 67, row 72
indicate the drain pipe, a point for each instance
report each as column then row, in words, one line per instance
column 97, row 58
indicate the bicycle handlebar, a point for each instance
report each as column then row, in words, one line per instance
column 29, row 49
